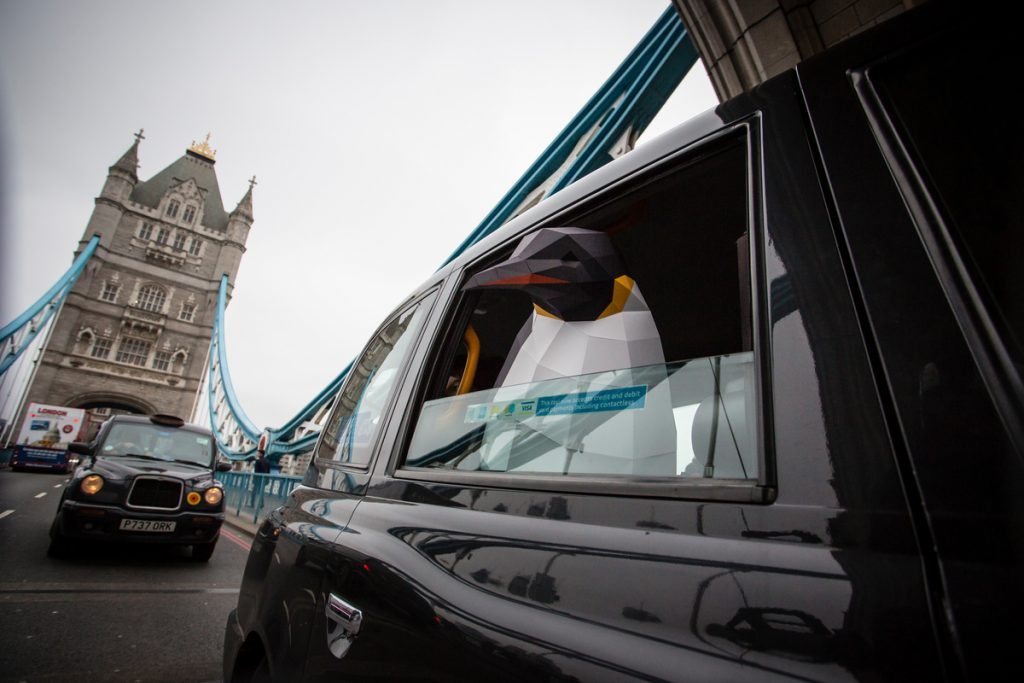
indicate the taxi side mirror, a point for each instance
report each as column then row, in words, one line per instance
column 223, row 466
column 80, row 447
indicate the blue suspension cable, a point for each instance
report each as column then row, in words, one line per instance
column 644, row 81
column 218, row 350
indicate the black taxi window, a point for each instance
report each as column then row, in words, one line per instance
column 616, row 343
column 359, row 410
column 158, row 442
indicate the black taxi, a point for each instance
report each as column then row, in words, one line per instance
column 745, row 404
column 147, row 479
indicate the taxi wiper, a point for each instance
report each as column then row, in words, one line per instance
column 139, row 455
column 188, row 462
column 158, row 459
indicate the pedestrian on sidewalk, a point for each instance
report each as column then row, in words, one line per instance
column 260, row 467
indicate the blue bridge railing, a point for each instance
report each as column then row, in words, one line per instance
column 248, row 494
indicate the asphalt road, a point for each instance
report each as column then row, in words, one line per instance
column 109, row 612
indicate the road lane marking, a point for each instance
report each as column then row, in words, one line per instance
column 5, row 513
column 102, row 590
column 40, row 495
column 124, row 586
column 57, row 486
column 235, row 539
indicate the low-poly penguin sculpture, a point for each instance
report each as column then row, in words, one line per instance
column 589, row 316
column 590, row 324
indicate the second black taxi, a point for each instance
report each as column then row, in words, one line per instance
column 144, row 479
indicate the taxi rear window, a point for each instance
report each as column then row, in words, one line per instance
column 618, row 342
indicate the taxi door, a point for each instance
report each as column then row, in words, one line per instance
column 282, row 603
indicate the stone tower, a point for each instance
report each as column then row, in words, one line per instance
column 135, row 330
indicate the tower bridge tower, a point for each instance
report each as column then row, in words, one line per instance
column 134, row 332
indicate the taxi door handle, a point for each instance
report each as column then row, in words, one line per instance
column 344, row 621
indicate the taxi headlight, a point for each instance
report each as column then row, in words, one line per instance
column 213, row 495
column 193, row 498
column 92, row 484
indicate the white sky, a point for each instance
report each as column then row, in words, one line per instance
column 380, row 134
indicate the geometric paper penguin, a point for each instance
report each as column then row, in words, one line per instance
column 589, row 319
column 588, row 314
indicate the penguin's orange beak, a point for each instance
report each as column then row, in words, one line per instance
column 529, row 279
column 568, row 272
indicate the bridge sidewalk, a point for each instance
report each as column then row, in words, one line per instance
column 248, row 498
column 241, row 522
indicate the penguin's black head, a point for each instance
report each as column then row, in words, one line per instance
column 568, row 272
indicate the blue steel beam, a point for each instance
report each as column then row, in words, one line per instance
column 631, row 97
column 14, row 345
column 662, row 64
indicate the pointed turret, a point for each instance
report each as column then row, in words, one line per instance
column 244, row 209
column 239, row 222
column 122, row 176
column 129, row 161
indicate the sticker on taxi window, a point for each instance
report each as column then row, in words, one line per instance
column 605, row 400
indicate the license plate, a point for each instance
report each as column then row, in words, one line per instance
column 146, row 525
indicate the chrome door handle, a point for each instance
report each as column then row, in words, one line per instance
column 343, row 624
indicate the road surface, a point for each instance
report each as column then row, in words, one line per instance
column 108, row 612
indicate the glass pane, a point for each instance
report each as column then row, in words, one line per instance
column 155, row 442
column 617, row 343
column 692, row 419
column 353, row 428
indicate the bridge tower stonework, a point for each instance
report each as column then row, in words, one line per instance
column 745, row 42
column 134, row 332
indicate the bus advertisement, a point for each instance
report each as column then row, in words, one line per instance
column 44, row 437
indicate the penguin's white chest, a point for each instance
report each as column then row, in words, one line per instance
column 552, row 348
column 576, row 359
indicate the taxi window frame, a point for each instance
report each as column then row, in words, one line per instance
column 314, row 472
column 760, row 490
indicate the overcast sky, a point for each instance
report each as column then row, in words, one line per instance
column 380, row 134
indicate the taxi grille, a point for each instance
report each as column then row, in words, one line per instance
column 162, row 494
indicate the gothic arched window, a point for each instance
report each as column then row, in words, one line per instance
column 152, row 298
column 189, row 214
column 84, row 340
column 178, row 361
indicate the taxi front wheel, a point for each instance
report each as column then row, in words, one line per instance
column 59, row 545
column 202, row 552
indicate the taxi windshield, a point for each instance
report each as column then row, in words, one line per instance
column 159, row 443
